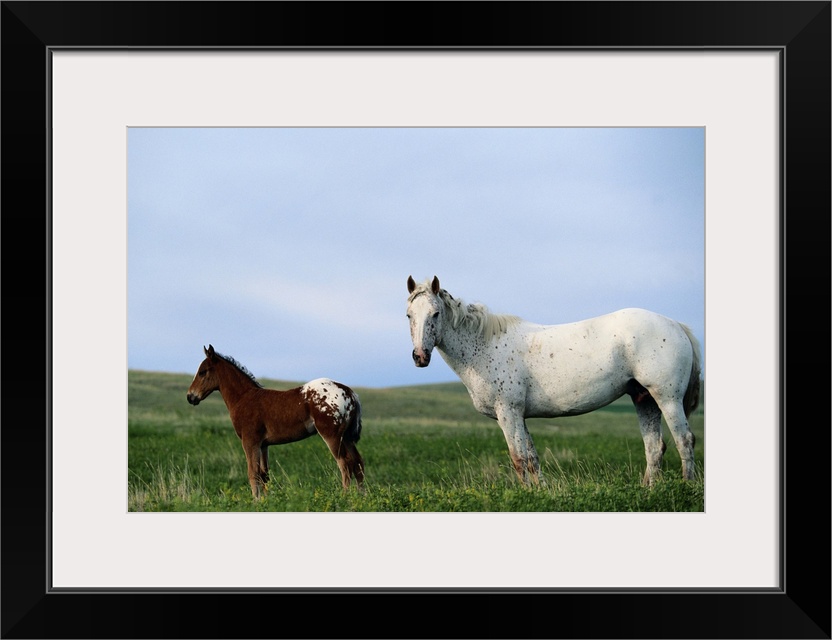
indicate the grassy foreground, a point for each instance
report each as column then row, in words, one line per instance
column 425, row 450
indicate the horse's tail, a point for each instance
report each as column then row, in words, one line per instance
column 353, row 432
column 691, row 399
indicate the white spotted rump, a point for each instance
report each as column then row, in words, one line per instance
column 332, row 398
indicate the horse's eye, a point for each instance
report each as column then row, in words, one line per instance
column 202, row 373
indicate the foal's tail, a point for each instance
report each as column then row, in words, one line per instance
column 691, row 399
column 353, row 432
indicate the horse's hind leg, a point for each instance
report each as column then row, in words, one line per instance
column 677, row 422
column 350, row 463
column 355, row 463
column 341, row 453
column 650, row 423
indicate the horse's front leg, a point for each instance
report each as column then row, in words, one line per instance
column 264, row 464
column 253, row 460
column 520, row 444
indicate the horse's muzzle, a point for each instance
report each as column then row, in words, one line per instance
column 193, row 399
column 421, row 360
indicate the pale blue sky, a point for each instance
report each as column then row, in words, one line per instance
column 289, row 248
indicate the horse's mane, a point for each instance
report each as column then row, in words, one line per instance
column 239, row 367
column 475, row 316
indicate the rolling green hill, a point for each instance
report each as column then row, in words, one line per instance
column 425, row 449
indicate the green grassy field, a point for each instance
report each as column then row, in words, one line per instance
column 425, row 450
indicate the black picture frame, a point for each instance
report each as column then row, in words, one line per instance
column 800, row 608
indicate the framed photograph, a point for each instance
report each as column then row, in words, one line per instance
column 79, row 79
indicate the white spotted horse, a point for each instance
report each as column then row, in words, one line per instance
column 514, row 369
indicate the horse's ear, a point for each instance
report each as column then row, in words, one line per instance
column 209, row 351
column 434, row 286
column 411, row 284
